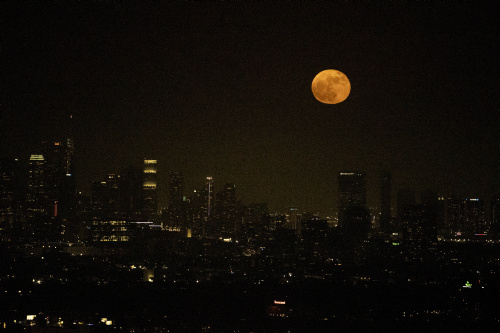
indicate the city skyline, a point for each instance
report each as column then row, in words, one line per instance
column 225, row 91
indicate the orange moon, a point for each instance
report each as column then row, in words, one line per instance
column 331, row 86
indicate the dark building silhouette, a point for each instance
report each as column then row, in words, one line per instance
column 314, row 237
column 207, row 201
column 351, row 191
column 257, row 222
column 420, row 232
column 130, row 192
column 105, row 197
column 176, row 211
column 385, row 201
column 405, row 199
column 473, row 212
column 228, row 212
column 495, row 215
column 293, row 219
column 465, row 216
column 354, row 217
column 454, row 215
column 9, row 192
column 59, row 177
column 36, row 197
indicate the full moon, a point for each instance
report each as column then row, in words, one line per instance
column 331, row 86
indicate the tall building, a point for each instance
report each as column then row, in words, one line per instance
column 420, row 232
column 207, row 198
column 9, row 191
column 453, row 215
column 351, row 191
column 405, row 199
column 475, row 222
column 256, row 221
column 495, row 215
column 130, row 192
column 55, row 173
column 314, row 237
column 36, row 197
column 69, row 184
column 105, row 197
column 465, row 216
column 385, row 201
column 228, row 212
column 58, row 174
column 149, row 190
column 354, row 216
column 176, row 212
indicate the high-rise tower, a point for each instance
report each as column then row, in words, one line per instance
column 207, row 197
column 385, row 201
column 354, row 216
column 176, row 215
column 130, row 192
column 227, row 211
column 352, row 192
column 149, row 190
column 36, row 198
column 9, row 194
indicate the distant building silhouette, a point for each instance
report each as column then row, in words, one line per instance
column 351, row 191
column 106, row 197
column 9, row 192
column 385, row 201
column 228, row 212
column 465, row 216
column 130, row 192
column 176, row 211
column 419, row 232
column 36, row 197
column 354, row 216
column 405, row 199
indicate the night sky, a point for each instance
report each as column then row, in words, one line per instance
column 224, row 90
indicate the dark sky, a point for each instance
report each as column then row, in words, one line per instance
column 225, row 90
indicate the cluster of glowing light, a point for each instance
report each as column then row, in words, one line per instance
column 279, row 302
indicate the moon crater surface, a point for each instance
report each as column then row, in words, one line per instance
column 331, row 86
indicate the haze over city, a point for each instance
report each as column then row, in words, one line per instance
column 186, row 167
column 224, row 90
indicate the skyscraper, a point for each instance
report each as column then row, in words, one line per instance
column 474, row 223
column 352, row 192
column 55, row 174
column 130, row 192
column 105, row 197
column 36, row 198
column 465, row 216
column 207, row 204
column 385, row 201
column 176, row 212
column 149, row 190
column 419, row 232
column 228, row 213
column 9, row 196
column 495, row 215
column 405, row 199
column 354, row 217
